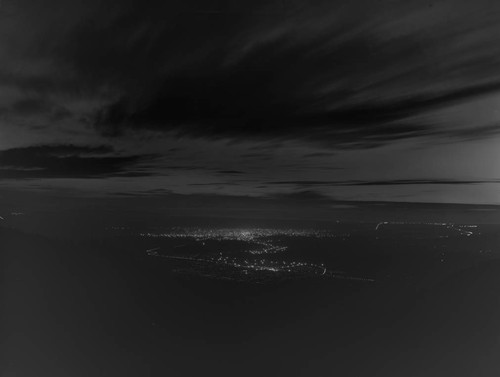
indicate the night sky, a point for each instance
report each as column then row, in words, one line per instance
column 365, row 100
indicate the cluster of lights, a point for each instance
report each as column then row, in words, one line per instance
column 409, row 223
column 265, row 265
column 463, row 230
column 260, row 237
column 256, row 267
column 240, row 234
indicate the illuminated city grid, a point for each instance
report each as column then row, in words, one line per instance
column 254, row 265
column 260, row 238
column 267, row 241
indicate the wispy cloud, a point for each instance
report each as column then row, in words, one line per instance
column 394, row 182
column 68, row 161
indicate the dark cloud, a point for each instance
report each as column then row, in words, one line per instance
column 302, row 183
column 258, row 156
column 185, row 167
column 68, row 161
column 309, row 196
column 318, row 154
column 273, row 91
column 230, row 172
column 214, row 184
column 144, row 193
column 265, row 96
column 35, row 107
column 348, row 74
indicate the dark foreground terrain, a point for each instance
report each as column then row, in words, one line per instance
column 73, row 309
